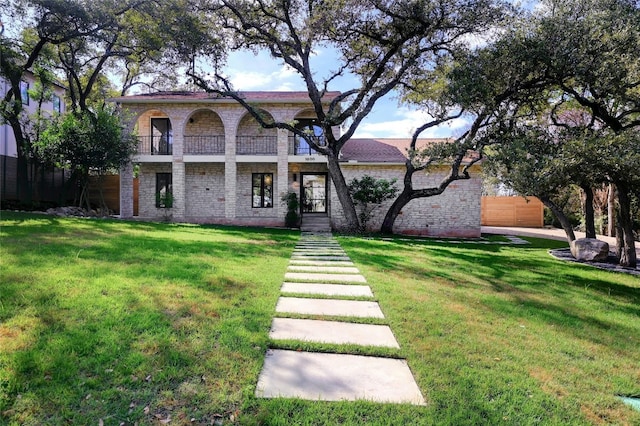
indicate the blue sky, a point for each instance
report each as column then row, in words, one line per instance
column 248, row 71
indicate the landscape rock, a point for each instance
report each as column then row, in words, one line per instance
column 71, row 211
column 589, row 250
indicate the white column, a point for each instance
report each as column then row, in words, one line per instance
column 126, row 191
column 230, row 172
column 283, row 173
column 178, row 177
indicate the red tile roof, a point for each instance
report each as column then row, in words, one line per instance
column 185, row 96
column 381, row 150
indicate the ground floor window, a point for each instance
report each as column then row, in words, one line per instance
column 164, row 190
column 262, row 190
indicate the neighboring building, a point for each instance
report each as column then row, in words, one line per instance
column 8, row 148
column 222, row 167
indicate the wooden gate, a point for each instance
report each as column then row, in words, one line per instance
column 111, row 192
column 512, row 211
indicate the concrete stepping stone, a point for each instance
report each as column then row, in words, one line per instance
column 319, row 252
column 327, row 278
column 324, row 258
column 346, row 308
column 332, row 332
column 327, row 289
column 329, row 269
column 335, row 377
column 320, row 262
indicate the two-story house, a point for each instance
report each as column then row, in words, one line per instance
column 221, row 166
column 47, row 184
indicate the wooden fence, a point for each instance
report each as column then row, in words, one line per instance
column 512, row 211
column 111, row 192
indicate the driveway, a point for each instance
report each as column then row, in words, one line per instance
column 548, row 233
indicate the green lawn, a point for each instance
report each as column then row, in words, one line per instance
column 125, row 322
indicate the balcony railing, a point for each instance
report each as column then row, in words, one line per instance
column 155, row 145
column 204, row 145
column 257, row 145
column 298, row 146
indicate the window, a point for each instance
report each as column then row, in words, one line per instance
column 311, row 127
column 57, row 104
column 24, row 92
column 164, row 195
column 161, row 136
column 262, row 190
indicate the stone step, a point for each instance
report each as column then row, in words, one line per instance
column 336, row 377
column 317, row 254
column 332, row 307
column 328, row 269
column 332, row 332
column 326, row 278
column 323, row 258
column 327, row 289
column 318, row 249
column 321, row 262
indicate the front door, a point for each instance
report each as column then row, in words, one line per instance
column 314, row 193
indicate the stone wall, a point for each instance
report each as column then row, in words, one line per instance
column 204, row 123
column 204, row 185
column 454, row 213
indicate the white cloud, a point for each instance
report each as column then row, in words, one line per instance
column 405, row 123
column 249, row 71
column 283, row 78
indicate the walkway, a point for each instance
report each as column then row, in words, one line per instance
column 322, row 281
column 548, row 233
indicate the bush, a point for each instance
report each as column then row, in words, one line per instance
column 292, row 218
column 369, row 193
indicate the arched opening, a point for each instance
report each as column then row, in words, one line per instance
column 155, row 133
column 253, row 139
column 204, row 134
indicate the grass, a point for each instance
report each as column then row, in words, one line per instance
column 144, row 323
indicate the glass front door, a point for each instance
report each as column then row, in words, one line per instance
column 314, row 193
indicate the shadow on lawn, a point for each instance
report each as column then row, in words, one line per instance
column 515, row 282
column 130, row 313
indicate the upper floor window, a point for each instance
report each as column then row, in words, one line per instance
column 311, row 127
column 161, row 136
column 262, row 190
column 24, row 92
column 57, row 104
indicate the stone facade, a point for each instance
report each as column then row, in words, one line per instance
column 454, row 213
column 216, row 148
column 205, row 192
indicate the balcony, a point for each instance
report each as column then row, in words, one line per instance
column 155, row 145
column 204, row 145
column 257, row 145
column 298, row 146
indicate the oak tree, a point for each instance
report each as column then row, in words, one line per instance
column 378, row 42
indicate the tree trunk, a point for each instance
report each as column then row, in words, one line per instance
column 611, row 215
column 24, row 190
column 589, row 213
column 342, row 191
column 395, row 209
column 628, row 252
column 562, row 218
column 619, row 236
